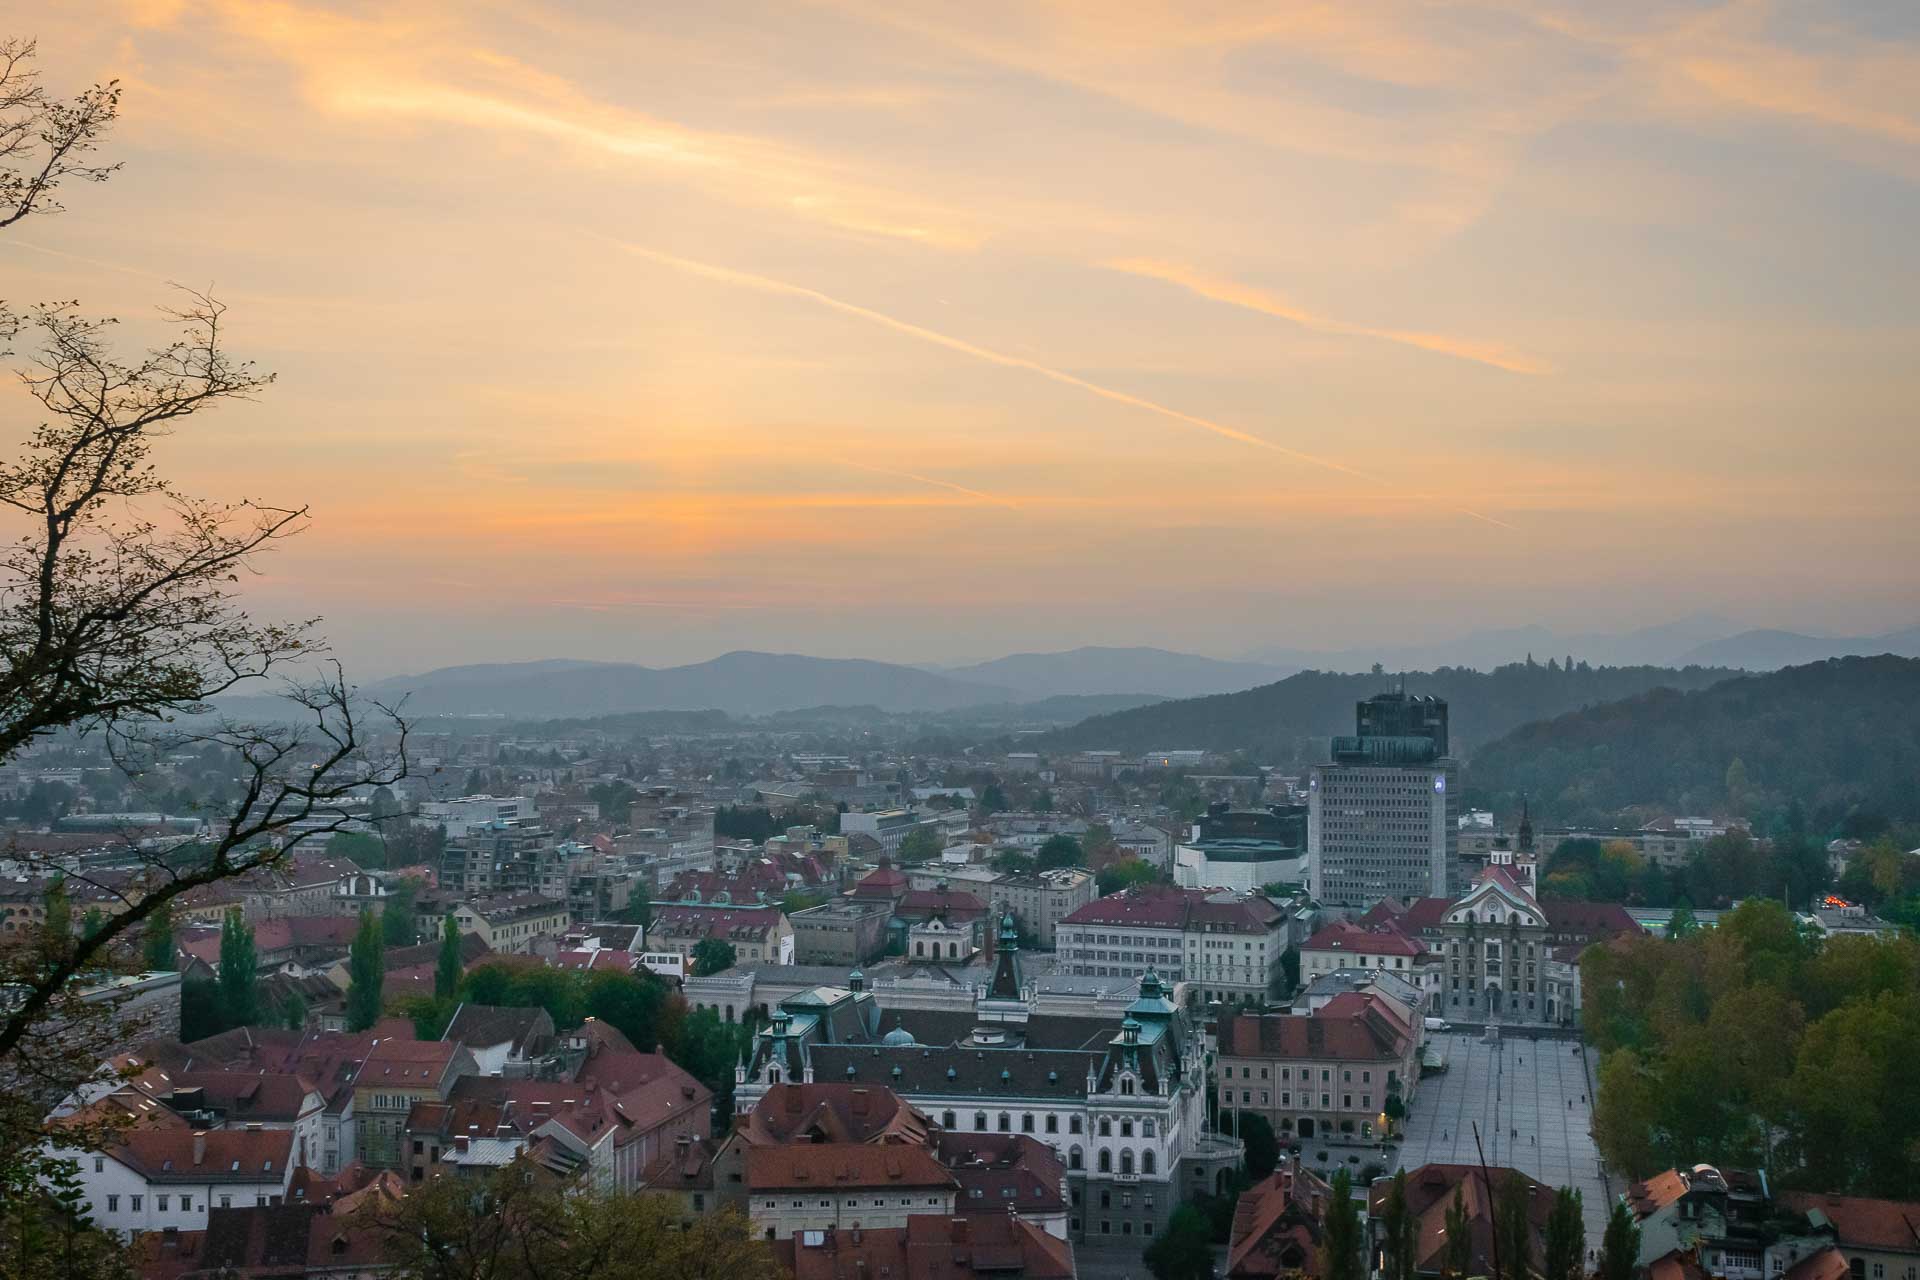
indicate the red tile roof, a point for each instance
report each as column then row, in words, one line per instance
column 1353, row 1027
column 844, row 1165
column 220, row 1155
column 1345, row 936
column 1862, row 1222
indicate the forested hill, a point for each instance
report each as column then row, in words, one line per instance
column 1839, row 737
column 1292, row 718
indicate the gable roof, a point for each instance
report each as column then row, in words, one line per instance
column 844, row 1165
column 218, row 1155
column 1861, row 1222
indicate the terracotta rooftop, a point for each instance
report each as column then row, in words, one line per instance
column 1861, row 1222
column 844, row 1165
column 219, row 1155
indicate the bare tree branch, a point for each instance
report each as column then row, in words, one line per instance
column 43, row 140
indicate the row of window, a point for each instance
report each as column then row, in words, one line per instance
column 1306, row 1099
column 949, row 1121
column 161, row 1204
column 1306, row 1073
column 879, row 1202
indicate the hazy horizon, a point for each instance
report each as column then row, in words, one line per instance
column 923, row 335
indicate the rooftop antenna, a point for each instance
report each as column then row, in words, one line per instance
column 1486, row 1182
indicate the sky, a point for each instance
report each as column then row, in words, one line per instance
column 932, row 332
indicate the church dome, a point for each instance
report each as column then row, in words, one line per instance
column 897, row 1038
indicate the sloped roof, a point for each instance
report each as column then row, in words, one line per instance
column 1276, row 1225
column 1352, row 1027
column 481, row 1026
column 225, row 1155
column 844, row 1165
column 1862, row 1222
column 1349, row 938
column 1430, row 1190
column 839, row 1112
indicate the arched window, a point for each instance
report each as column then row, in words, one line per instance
column 920, row 949
column 953, row 950
column 1075, row 1160
column 1106, row 1127
column 1126, row 1084
column 1146, row 1160
column 1106, row 1160
column 1126, row 1160
column 773, row 1075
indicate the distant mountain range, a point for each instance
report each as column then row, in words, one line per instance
column 1096, row 670
column 1837, row 737
column 1705, row 640
column 749, row 683
column 1771, row 650
column 1293, row 718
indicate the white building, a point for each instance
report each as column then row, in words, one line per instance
column 169, row 1177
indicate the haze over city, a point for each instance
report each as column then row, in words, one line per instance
column 840, row 640
column 923, row 334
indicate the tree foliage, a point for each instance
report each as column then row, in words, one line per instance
column 239, row 972
column 1754, row 1045
column 1059, row 851
column 1124, row 874
column 1620, row 1246
column 366, row 973
column 1263, row 1148
column 1457, row 1259
column 1401, row 1237
column 446, row 967
column 1566, row 1251
column 519, row 1225
column 1184, row 1251
column 396, row 914
column 711, row 956
column 1340, row 1242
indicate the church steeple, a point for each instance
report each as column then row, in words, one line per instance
column 1006, row 984
column 1526, row 826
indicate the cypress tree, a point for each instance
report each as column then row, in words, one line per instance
column 446, row 973
column 157, row 945
column 239, row 972
column 366, row 969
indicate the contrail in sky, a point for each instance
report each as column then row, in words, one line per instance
column 767, row 284
column 942, row 484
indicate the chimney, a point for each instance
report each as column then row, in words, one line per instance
column 199, row 1147
column 460, row 1142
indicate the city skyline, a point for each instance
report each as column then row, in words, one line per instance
column 868, row 331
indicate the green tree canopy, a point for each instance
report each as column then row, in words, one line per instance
column 366, row 974
column 396, row 914
column 446, row 967
column 239, row 972
column 922, row 844
column 1124, row 874
column 1620, row 1247
column 711, row 956
column 1060, row 851
column 1340, row 1241
column 1184, row 1251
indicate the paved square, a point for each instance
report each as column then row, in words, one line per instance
column 1534, row 1106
